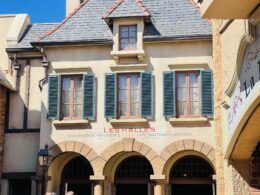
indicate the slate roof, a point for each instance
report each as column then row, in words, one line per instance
column 4, row 81
column 127, row 8
column 171, row 19
column 33, row 32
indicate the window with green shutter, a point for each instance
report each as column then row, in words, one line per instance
column 207, row 106
column 71, row 97
column 188, row 94
column 128, row 95
column 169, row 107
column 54, row 97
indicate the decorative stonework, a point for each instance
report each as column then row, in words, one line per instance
column 188, row 145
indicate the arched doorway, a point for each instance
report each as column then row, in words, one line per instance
column 133, row 176
column 192, row 175
column 75, row 177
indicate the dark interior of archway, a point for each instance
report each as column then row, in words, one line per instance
column 75, row 176
column 133, row 175
column 192, row 175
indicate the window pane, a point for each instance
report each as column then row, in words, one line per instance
column 122, row 96
column 66, row 84
column 77, row 110
column 181, row 80
column 194, row 108
column 193, row 80
column 194, row 96
column 181, row 94
column 66, row 96
column 122, row 109
column 134, row 109
column 182, row 109
column 122, row 82
column 124, row 41
column 124, row 29
column 132, row 28
column 134, row 81
column 77, row 97
column 77, row 84
column 135, row 95
column 132, row 34
column 132, row 40
column 66, row 110
column 124, row 34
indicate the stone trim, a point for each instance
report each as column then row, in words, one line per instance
column 132, row 145
column 188, row 145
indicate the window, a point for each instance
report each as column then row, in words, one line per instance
column 128, row 95
column 72, row 97
column 128, row 37
column 20, row 186
column 188, row 94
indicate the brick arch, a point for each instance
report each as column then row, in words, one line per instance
column 79, row 148
column 189, row 145
column 132, row 145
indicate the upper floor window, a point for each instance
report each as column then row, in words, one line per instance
column 71, row 97
column 128, row 95
column 188, row 100
column 128, row 37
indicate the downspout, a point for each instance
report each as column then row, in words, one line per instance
column 16, row 66
column 45, row 64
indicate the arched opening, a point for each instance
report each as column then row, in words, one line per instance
column 133, row 176
column 192, row 175
column 75, row 177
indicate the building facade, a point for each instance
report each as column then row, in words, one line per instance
column 236, row 46
column 132, row 97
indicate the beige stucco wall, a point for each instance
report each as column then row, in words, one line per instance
column 21, row 152
column 98, row 58
column 5, row 24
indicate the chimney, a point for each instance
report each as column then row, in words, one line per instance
column 71, row 5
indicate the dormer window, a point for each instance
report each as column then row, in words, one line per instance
column 128, row 37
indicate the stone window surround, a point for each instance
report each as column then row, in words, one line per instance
column 139, row 51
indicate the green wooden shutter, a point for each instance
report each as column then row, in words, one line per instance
column 54, row 97
column 207, row 107
column 146, row 95
column 89, row 96
column 110, row 95
column 169, row 102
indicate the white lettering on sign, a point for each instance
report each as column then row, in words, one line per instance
column 249, row 83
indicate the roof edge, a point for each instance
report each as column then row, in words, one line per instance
column 119, row 2
column 63, row 21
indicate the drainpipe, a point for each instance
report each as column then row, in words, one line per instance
column 45, row 64
column 16, row 66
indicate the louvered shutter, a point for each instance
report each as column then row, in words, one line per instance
column 169, row 102
column 110, row 95
column 89, row 96
column 207, row 107
column 54, row 97
column 146, row 95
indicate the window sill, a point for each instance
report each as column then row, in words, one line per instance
column 180, row 121
column 136, row 121
column 127, row 68
column 128, row 53
column 70, row 122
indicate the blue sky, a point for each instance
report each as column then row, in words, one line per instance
column 40, row 11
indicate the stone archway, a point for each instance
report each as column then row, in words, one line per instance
column 132, row 145
column 189, row 145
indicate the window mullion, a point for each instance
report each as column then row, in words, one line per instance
column 71, row 98
column 188, row 94
column 128, row 96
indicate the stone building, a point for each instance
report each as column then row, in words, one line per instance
column 236, row 56
column 122, row 92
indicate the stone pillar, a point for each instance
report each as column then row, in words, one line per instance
column 159, row 182
column 98, row 188
column 98, row 184
column 158, row 189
